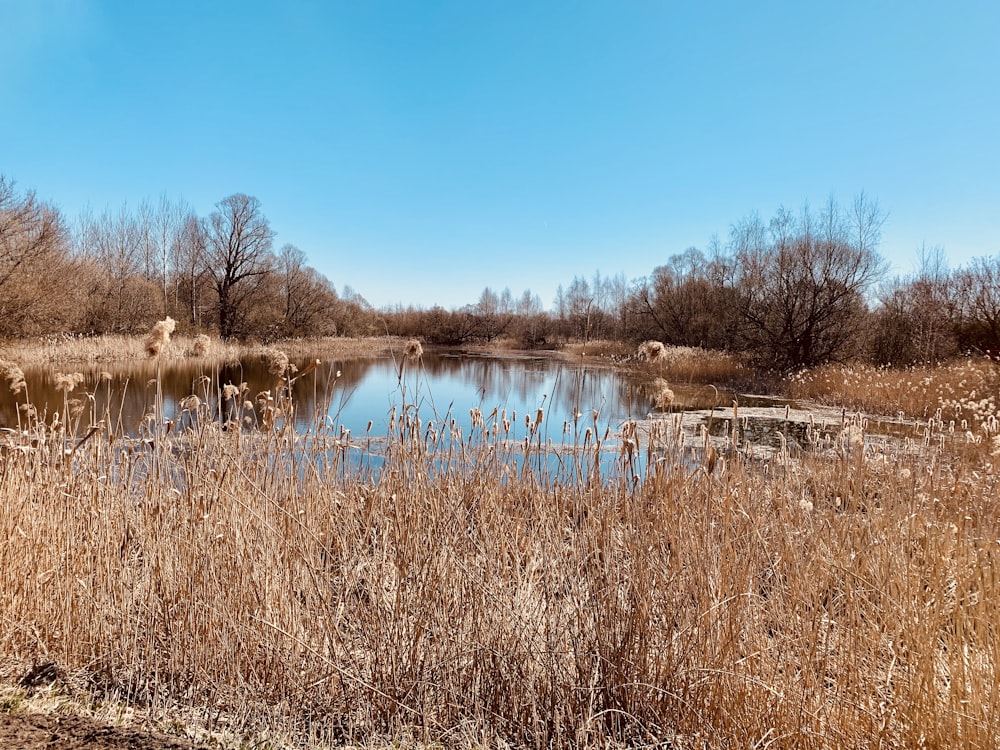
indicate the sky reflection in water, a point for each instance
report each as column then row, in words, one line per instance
column 352, row 393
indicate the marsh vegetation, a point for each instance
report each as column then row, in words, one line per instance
column 690, row 590
column 230, row 537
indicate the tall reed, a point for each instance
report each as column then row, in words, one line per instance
column 484, row 585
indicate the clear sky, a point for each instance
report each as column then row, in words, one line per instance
column 420, row 151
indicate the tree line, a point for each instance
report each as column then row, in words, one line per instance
column 791, row 291
column 121, row 270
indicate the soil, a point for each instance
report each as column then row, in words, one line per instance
column 37, row 731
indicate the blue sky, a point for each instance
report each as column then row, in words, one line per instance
column 420, row 151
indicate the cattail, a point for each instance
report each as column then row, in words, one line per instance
column 13, row 375
column 230, row 391
column 159, row 337
column 653, row 351
column 413, row 349
column 201, row 344
column 711, row 457
column 313, row 364
column 663, row 396
column 67, row 383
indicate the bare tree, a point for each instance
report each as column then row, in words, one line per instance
column 979, row 292
column 560, row 323
column 531, row 323
column 162, row 227
column 310, row 300
column 237, row 256
column 618, row 303
column 355, row 315
column 493, row 313
column 580, row 307
column 529, row 304
column 33, row 255
column 120, row 299
column 801, row 282
column 147, row 240
column 190, row 276
column 684, row 302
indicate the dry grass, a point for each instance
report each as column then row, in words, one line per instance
column 598, row 349
column 110, row 348
column 677, row 364
column 966, row 389
column 460, row 589
column 685, row 364
column 683, row 377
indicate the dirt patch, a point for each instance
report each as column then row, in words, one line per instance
column 35, row 731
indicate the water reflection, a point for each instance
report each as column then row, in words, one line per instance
column 429, row 404
column 347, row 394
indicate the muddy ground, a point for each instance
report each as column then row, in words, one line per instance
column 35, row 731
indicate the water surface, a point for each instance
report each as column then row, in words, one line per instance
column 368, row 396
column 348, row 394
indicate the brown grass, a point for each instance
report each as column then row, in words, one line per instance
column 690, row 365
column 678, row 364
column 110, row 348
column 966, row 389
column 465, row 594
column 598, row 349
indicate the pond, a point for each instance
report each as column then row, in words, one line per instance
column 365, row 397
column 349, row 394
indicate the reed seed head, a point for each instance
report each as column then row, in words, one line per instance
column 190, row 403
column 159, row 337
column 663, row 396
column 67, row 383
column 413, row 349
column 13, row 375
column 277, row 361
column 853, row 436
column 653, row 351
column 75, row 407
